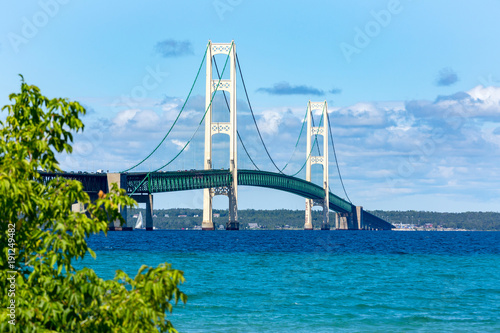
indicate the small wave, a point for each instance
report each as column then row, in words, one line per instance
column 399, row 252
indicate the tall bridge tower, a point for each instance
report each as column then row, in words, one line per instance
column 229, row 128
column 323, row 160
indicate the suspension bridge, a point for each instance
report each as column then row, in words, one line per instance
column 142, row 185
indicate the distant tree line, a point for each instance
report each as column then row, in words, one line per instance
column 178, row 218
column 467, row 220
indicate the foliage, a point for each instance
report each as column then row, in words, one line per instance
column 50, row 294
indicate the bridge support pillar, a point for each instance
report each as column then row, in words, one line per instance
column 229, row 128
column 233, row 223
column 326, row 215
column 308, row 223
column 342, row 221
column 358, row 218
column 148, row 200
column 322, row 129
column 149, row 212
column 121, row 180
column 77, row 208
column 207, row 223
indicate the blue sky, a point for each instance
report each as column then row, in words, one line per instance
column 413, row 89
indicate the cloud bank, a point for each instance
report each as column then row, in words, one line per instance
column 443, row 149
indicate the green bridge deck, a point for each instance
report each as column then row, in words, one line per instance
column 160, row 182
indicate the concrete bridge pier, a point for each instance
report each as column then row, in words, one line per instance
column 308, row 219
column 148, row 200
column 342, row 221
column 233, row 223
column 207, row 223
column 121, row 181
column 326, row 217
column 77, row 207
column 358, row 218
column 350, row 221
column 325, row 225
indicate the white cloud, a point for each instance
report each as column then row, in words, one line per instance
column 489, row 95
column 147, row 120
column 123, row 117
column 491, row 135
column 180, row 144
column 480, row 101
column 135, row 119
column 365, row 114
column 269, row 122
column 194, row 108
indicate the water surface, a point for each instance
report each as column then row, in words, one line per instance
column 320, row 281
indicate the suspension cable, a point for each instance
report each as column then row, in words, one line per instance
column 178, row 116
column 258, row 130
column 298, row 139
column 253, row 116
column 335, row 155
column 229, row 110
column 261, row 139
column 199, row 125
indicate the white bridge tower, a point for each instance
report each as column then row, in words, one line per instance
column 229, row 128
column 323, row 160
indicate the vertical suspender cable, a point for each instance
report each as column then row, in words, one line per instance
column 178, row 116
column 237, row 132
column 336, row 161
column 258, row 130
column 312, row 147
column 253, row 116
column 251, row 110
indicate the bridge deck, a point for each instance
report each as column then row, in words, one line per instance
column 159, row 182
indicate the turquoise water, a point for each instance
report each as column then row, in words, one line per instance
column 320, row 281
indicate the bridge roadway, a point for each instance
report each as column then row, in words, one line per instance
column 160, row 182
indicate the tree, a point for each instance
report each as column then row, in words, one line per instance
column 36, row 220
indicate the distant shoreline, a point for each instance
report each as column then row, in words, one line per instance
column 284, row 219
